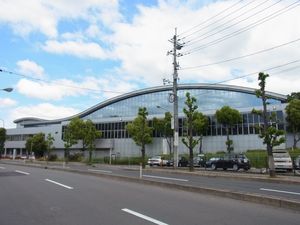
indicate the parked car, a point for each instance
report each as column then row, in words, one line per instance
column 211, row 161
column 231, row 161
column 155, row 161
column 198, row 161
column 282, row 160
column 183, row 162
column 297, row 163
column 159, row 161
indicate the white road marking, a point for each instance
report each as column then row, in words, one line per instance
column 279, row 191
column 144, row 217
column 3, row 168
column 101, row 171
column 54, row 182
column 165, row 178
column 22, row 172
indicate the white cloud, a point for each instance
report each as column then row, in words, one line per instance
column 142, row 44
column 54, row 90
column 77, row 48
column 113, row 86
column 90, row 85
column 43, row 111
column 43, row 16
column 31, row 68
column 7, row 102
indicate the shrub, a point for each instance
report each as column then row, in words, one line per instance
column 76, row 157
column 52, row 157
column 258, row 158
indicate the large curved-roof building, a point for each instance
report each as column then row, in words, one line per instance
column 111, row 117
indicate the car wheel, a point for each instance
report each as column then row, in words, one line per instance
column 224, row 168
column 213, row 166
column 235, row 167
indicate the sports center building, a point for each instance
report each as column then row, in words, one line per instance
column 111, row 117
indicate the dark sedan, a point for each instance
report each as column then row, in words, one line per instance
column 235, row 162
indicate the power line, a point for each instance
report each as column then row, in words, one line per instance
column 243, row 56
column 248, row 27
column 194, row 40
column 59, row 84
column 220, row 19
column 253, row 73
column 210, row 18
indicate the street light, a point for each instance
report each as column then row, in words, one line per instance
column 7, row 89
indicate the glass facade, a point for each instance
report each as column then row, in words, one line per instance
column 249, row 124
column 206, row 100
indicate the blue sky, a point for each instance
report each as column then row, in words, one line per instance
column 66, row 56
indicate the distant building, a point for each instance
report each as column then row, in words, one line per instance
column 111, row 117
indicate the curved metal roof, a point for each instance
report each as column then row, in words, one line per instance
column 280, row 97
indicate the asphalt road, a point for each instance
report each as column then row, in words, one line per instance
column 35, row 196
column 282, row 190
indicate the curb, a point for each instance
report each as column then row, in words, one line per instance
column 249, row 197
column 207, row 173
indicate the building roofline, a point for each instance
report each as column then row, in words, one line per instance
column 280, row 97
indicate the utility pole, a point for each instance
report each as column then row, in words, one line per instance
column 174, row 96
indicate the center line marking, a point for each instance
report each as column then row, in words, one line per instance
column 3, row 168
column 101, row 171
column 54, row 182
column 22, row 172
column 165, row 178
column 144, row 217
column 279, row 191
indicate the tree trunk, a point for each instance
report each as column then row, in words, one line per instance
column 296, row 140
column 169, row 141
column 272, row 171
column 191, row 167
column 200, row 146
column 228, row 140
column 143, row 156
column 90, row 156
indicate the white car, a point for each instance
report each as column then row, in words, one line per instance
column 282, row 160
column 155, row 161
column 158, row 161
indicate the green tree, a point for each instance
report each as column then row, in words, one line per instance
column 85, row 131
column 90, row 134
column 2, row 139
column 293, row 95
column 195, row 122
column 293, row 119
column 163, row 127
column 36, row 144
column 49, row 142
column 228, row 117
column 140, row 132
column 201, row 126
column 77, row 129
column 69, row 140
column 268, row 132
